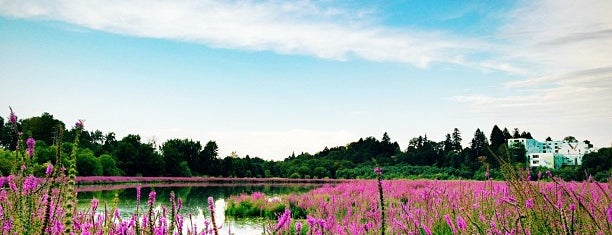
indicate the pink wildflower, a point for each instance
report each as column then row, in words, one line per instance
column 461, row 223
column 211, row 205
column 30, row 143
column 529, row 203
column 49, row 169
column 152, row 198
column 609, row 213
column 378, row 170
column 427, row 230
column 284, row 220
column 539, row 175
column 80, row 124
column 449, row 221
column 94, row 204
column 29, row 184
column 12, row 116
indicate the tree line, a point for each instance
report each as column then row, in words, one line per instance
column 103, row 154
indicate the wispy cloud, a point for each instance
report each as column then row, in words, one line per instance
column 285, row 27
column 567, row 46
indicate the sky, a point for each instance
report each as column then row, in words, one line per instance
column 272, row 78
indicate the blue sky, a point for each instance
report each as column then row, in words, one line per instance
column 268, row 78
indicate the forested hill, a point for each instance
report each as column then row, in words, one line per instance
column 103, row 154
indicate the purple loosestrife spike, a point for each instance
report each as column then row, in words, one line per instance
column 461, row 223
column 449, row 221
column 49, row 169
column 539, row 175
column 609, row 214
column 529, row 203
column 378, row 170
column 80, row 124
column 548, row 174
column 298, row 228
column 427, row 230
column 29, row 184
column 211, row 205
column 284, row 220
column 12, row 116
column 152, row 198
column 30, row 143
column 487, row 173
column 94, row 204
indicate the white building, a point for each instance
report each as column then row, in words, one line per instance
column 552, row 154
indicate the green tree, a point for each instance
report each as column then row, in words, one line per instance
column 8, row 136
column 136, row 158
column 207, row 161
column 598, row 164
column 497, row 137
column 44, row 153
column 526, row 135
column 177, row 151
column 478, row 149
column 570, row 139
column 517, row 154
column 109, row 166
column 457, row 140
column 516, row 133
column 110, row 143
column 507, row 134
column 87, row 164
column 320, row 172
column 42, row 128
column 448, row 144
column 8, row 162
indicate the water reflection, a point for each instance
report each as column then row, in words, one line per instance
column 194, row 198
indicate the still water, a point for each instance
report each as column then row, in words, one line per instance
column 194, row 198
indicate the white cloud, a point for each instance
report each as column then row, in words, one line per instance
column 278, row 145
column 286, row 27
column 560, row 36
column 567, row 46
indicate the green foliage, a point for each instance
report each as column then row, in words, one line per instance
column 423, row 157
column 295, row 175
column 42, row 128
column 8, row 162
column 87, row 163
column 109, row 167
column 598, row 164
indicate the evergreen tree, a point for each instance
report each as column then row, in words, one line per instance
column 457, row 140
column 497, row 138
column 507, row 134
column 478, row 149
column 447, row 144
column 516, row 134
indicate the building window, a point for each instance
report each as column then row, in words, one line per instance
column 536, row 162
column 536, row 156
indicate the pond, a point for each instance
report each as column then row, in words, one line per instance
column 194, row 198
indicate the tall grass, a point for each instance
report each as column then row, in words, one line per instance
column 515, row 206
column 30, row 205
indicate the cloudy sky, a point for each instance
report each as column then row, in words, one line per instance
column 268, row 78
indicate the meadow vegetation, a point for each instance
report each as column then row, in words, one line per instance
column 39, row 198
column 105, row 154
